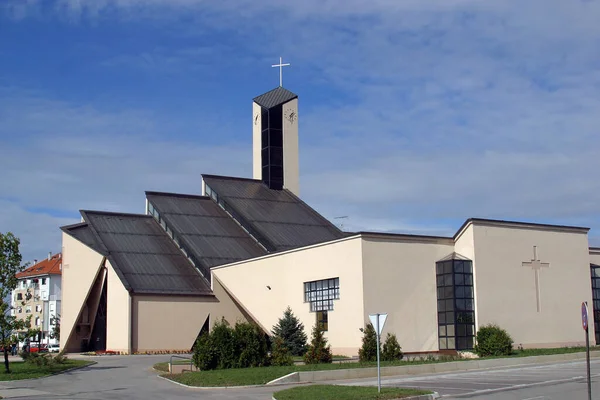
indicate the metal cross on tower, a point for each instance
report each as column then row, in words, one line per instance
column 536, row 265
column 280, row 65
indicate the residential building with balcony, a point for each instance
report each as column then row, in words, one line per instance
column 38, row 295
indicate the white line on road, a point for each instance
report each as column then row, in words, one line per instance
column 526, row 385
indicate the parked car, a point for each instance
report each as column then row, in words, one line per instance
column 41, row 349
column 53, row 348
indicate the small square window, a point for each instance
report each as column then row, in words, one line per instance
column 43, row 281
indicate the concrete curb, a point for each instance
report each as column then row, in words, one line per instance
column 432, row 396
column 289, row 378
column 304, row 377
column 224, row 387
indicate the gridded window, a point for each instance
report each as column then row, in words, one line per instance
column 595, row 271
column 320, row 294
column 322, row 320
column 456, row 306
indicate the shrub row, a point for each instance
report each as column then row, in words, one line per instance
column 391, row 350
column 242, row 346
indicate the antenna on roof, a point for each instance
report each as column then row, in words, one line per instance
column 341, row 223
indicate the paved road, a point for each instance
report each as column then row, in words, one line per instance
column 559, row 381
column 123, row 378
column 131, row 378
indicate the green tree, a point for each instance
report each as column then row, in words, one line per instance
column 251, row 346
column 391, row 349
column 291, row 330
column 10, row 265
column 55, row 334
column 281, row 355
column 368, row 350
column 318, row 350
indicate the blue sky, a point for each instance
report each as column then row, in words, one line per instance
column 414, row 114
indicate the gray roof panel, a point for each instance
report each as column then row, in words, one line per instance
column 280, row 219
column 143, row 255
column 274, row 97
column 205, row 229
column 84, row 234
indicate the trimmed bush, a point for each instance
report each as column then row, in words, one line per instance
column 493, row 341
column 205, row 356
column 391, row 349
column 281, row 356
column 368, row 350
column 318, row 350
column 243, row 346
column 291, row 330
column 221, row 339
column 251, row 345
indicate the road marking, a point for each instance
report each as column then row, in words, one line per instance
column 537, row 397
column 522, row 386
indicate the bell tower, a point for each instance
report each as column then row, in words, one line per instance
column 275, row 139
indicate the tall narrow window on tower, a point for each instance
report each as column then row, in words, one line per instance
column 272, row 147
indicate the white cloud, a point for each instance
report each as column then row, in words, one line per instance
column 446, row 110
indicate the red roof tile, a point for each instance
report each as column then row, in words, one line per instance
column 44, row 267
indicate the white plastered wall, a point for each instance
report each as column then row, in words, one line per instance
column 399, row 279
column 291, row 163
column 118, row 313
column 172, row 323
column 267, row 285
column 80, row 265
column 506, row 292
column 256, row 141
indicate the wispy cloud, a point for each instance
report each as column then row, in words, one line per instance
column 418, row 114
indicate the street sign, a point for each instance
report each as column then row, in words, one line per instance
column 584, row 323
column 584, row 316
column 378, row 321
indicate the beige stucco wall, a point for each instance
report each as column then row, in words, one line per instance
column 505, row 290
column 173, row 322
column 256, row 141
column 118, row 313
column 291, row 167
column 80, row 267
column 285, row 274
column 399, row 279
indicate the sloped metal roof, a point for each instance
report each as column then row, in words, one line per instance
column 205, row 229
column 84, row 234
column 274, row 97
column 144, row 256
column 280, row 218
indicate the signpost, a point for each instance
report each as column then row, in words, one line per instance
column 378, row 321
column 584, row 324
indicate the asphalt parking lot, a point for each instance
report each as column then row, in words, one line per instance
column 537, row 382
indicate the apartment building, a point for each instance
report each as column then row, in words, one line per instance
column 38, row 295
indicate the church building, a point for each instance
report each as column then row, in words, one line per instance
column 245, row 249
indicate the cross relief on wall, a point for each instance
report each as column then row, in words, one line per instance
column 536, row 265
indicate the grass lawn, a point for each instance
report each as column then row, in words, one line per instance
column 262, row 375
column 23, row 370
column 332, row 392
